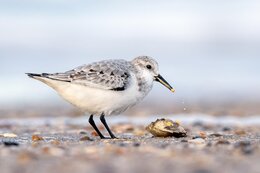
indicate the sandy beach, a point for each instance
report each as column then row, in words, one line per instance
column 69, row 145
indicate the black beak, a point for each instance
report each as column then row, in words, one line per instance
column 160, row 79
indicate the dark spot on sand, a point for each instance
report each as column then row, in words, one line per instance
column 11, row 143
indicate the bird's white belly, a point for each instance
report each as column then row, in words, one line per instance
column 97, row 101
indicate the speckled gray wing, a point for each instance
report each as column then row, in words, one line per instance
column 110, row 75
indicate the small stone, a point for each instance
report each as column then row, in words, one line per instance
column 85, row 138
column 10, row 143
column 136, row 144
column 184, row 140
column 83, row 133
column 37, row 138
column 9, row 135
column 195, row 137
column 226, row 129
column 215, row 135
column 222, row 142
column 203, row 135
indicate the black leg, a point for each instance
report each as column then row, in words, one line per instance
column 91, row 121
column 103, row 120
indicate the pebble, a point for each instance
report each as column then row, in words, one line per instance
column 195, row 137
column 226, row 129
column 222, row 142
column 9, row 135
column 85, row 138
column 184, row 140
column 203, row 135
column 83, row 133
column 11, row 143
column 136, row 144
column 215, row 135
column 37, row 138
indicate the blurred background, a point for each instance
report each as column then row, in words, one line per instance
column 208, row 50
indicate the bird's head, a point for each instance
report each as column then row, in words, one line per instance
column 150, row 67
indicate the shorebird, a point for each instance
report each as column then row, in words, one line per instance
column 107, row 87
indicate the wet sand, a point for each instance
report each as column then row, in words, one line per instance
column 66, row 145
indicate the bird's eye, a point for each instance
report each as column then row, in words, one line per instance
column 149, row 67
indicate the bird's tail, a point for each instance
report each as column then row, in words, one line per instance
column 63, row 77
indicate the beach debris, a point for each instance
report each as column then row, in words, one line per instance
column 37, row 138
column 166, row 128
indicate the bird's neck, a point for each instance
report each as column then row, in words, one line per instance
column 144, row 81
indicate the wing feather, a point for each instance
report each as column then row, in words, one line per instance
column 110, row 75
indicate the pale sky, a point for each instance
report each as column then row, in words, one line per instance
column 203, row 47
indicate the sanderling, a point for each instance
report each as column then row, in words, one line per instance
column 107, row 87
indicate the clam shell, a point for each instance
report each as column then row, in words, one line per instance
column 166, row 128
